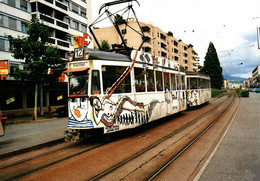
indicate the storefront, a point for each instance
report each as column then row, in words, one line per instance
column 17, row 97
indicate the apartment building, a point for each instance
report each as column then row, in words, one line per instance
column 256, row 76
column 160, row 44
column 65, row 19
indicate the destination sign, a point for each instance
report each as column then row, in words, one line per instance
column 77, row 65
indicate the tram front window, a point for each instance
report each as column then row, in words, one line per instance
column 78, row 84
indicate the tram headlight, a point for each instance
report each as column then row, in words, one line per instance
column 77, row 112
column 69, row 58
column 86, row 56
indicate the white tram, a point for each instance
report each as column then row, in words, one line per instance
column 198, row 89
column 110, row 92
column 114, row 92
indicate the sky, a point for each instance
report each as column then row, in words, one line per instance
column 230, row 24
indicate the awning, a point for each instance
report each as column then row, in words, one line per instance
column 75, row 70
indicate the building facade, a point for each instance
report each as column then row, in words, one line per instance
column 256, row 76
column 65, row 19
column 161, row 44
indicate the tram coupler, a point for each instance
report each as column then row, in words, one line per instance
column 71, row 135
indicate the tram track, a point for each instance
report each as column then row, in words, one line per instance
column 31, row 164
column 36, row 163
column 143, row 151
column 187, row 146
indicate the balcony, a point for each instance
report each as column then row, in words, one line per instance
column 163, row 54
column 163, row 37
column 53, row 4
column 61, row 5
column 63, row 44
column 62, row 24
column 164, row 46
column 53, row 22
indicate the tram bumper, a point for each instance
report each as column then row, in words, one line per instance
column 71, row 135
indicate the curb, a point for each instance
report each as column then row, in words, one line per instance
column 8, row 122
column 25, row 150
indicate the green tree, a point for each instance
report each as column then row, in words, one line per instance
column 170, row 33
column 212, row 67
column 43, row 61
column 105, row 45
column 119, row 19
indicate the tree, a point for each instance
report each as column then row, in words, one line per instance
column 212, row 67
column 105, row 45
column 119, row 20
column 170, row 33
column 43, row 61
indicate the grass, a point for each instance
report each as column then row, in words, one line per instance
column 215, row 92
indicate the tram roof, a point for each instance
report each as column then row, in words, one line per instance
column 103, row 55
column 196, row 74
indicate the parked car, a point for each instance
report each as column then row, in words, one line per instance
column 257, row 90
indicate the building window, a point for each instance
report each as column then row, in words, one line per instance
column 84, row 28
column 74, row 8
column 83, row 12
column 12, row 23
column 23, row 27
column 67, row 20
column 11, row 3
column 2, row 20
column 75, row 25
column 23, row 5
column 2, row 45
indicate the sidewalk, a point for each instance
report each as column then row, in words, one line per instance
column 238, row 156
column 21, row 133
column 28, row 119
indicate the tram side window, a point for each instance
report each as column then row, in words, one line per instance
column 173, row 82
column 111, row 74
column 139, row 80
column 193, row 83
column 159, row 82
column 205, row 83
column 150, row 80
column 166, row 81
column 178, row 82
column 208, row 83
column 183, row 82
column 95, row 84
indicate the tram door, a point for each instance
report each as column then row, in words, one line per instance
column 168, row 96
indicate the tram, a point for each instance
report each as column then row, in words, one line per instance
column 198, row 89
column 114, row 92
column 123, row 88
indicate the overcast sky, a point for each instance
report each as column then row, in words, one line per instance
column 230, row 24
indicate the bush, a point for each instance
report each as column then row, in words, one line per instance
column 215, row 92
column 243, row 93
